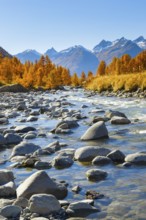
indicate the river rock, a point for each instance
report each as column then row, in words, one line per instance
column 138, row 158
column 101, row 160
column 42, row 165
column 21, row 202
column 44, row 204
column 81, row 209
column 116, row 156
column 4, row 121
column 12, row 138
column 39, row 218
column 96, row 175
column 6, row 176
column 62, row 161
column 96, row 131
column 111, row 113
column 96, row 119
column 88, row 153
column 24, row 148
column 29, row 136
column 68, row 124
column 13, row 88
column 40, row 182
column 120, row 120
column 2, row 140
column 8, row 190
column 11, row 211
column 24, row 129
column 54, row 146
column 31, row 118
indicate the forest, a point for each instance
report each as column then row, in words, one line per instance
column 124, row 73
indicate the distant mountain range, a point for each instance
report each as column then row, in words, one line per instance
column 78, row 58
column 106, row 50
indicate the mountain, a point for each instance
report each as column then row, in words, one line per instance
column 102, row 46
column 4, row 53
column 28, row 55
column 118, row 48
column 76, row 59
column 51, row 53
column 141, row 42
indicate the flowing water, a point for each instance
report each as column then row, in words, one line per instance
column 125, row 188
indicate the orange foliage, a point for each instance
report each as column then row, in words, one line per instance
column 43, row 73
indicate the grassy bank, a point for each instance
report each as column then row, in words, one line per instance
column 128, row 82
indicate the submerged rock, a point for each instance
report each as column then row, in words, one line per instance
column 96, row 131
column 96, row 175
column 81, row 209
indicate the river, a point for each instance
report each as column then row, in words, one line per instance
column 125, row 187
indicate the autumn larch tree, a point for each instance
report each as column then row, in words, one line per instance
column 101, row 68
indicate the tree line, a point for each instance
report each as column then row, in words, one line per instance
column 123, row 65
column 43, row 73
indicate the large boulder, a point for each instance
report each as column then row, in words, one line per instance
column 40, row 182
column 44, row 204
column 81, row 209
column 138, row 158
column 88, row 153
column 96, row 175
column 12, row 138
column 96, row 131
column 13, row 88
column 24, row 148
column 24, row 129
column 6, row 176
column 120, row 120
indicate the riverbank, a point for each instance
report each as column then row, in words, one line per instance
column 122, row 94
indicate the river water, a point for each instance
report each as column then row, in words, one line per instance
column 125, row 188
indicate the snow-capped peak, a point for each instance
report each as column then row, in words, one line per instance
column 73, row 48
column 32, row 51
column 141, row 42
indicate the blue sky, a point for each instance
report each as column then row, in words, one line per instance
column 42, row 24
